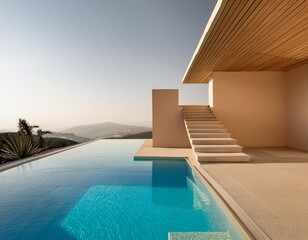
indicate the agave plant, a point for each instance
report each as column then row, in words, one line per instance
column 16, row 146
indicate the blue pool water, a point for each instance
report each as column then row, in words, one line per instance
column 97, row 191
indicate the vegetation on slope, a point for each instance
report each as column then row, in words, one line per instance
column 24, row 143
column 142, row 135
column 68, row 136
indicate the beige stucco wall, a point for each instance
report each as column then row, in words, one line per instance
column 210, row 93
column 168, row 123
column 297, row 82
column 252, row 106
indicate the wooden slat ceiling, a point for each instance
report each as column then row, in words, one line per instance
column 252, row 35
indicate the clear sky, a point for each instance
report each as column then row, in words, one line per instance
column 72, row 62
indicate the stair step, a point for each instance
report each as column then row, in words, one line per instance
column 187, row 111
column 217, row 148
column 203, row 122
column 210, row 126
column 205, row 116
column 203, row 111
column 210, row 130
column 200, row 119
column 213, row 141
column 222, row 157
column 199, row 115
column 197, row 110
column 195, row 106
column 210, row 135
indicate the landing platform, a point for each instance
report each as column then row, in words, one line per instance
column 148, row 151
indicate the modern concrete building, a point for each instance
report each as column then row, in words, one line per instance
column 254, row 57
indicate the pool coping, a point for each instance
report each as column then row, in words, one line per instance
column 243, row 218
column 18, row 162
column 248, row 224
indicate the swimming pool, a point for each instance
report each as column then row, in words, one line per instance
column 97, row 191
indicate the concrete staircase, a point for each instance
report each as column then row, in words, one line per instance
column 209, row 139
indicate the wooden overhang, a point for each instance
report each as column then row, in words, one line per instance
column 251, row 35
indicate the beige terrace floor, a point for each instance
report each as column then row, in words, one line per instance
column 272, row 189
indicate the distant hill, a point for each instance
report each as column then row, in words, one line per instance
column 106, row 130
column 5, row 130
column 68, row 136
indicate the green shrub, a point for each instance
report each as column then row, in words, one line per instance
column 59, row 142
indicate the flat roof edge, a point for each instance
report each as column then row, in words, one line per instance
column 219, row 7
